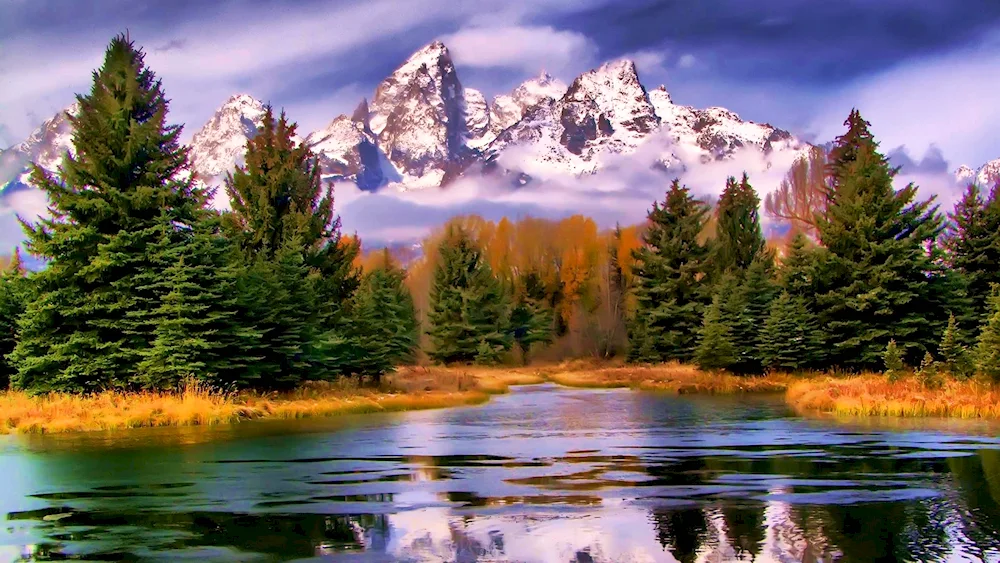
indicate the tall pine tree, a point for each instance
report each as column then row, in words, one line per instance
column 116, row 205
column 883, row 277
column 671, row 273
column 283, row 220
column 738, row 236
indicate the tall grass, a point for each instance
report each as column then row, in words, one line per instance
column 874, row 395
column 671, row 378
column 196, row 404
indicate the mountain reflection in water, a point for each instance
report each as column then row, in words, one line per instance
column 542, row 474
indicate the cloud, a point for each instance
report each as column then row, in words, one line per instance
column 621, row 192
column 687, row 60
column 933, row 161
column 649, row 62
column 936, row 102
column 170, row 45
column 528, row 48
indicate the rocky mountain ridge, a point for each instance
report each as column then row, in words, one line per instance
column 423, row 128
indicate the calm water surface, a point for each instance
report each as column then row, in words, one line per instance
column 541, row 474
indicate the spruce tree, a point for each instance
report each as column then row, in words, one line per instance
column 845, row 149
column 738, row 239
column 379, row 331
column 954, row 354
column 884, row 283
column 988, row 348
column 747, row 306
column 671, row 280
column 715, row 345
column 531, row 317
column 469, row 314
column 283, row 221
column 892, row 359
column 124, row 193
column 14, row 292
column 973, row 244
column 790, row 339
column 198, row 331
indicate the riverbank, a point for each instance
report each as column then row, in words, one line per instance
column 874, row 395
column 415, row 388
column 408, row 389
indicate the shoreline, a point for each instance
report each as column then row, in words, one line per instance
column 421, row 388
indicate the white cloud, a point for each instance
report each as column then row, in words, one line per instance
column 944, row 101
column 649, row 62
column 687, row 60
column 528, row 48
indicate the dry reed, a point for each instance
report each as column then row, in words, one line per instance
column 670, row 378
column 874, row 395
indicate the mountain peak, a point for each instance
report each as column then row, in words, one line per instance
column 430, row 55
column 243, row 103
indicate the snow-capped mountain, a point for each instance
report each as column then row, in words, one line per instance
column 423, row 128
column 216, row 149
column 46, row 147
column 220, row 144
column 985, row 176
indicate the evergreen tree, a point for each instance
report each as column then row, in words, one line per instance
column 955, row 355
column 747, row 306
column 380, row 329
column 671, row 280
column 883, row 282
column 531, row 317
column 892, row 360
column 469, row 315
column 715, row 345
column 973, row 243
column 14, row 292
column 283, row 221
column 845, row 150
column 790, row 338
column 738, row 239
column 121, row 196
column 197, row 329
column 988, row 349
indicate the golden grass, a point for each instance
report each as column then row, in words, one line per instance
column 197, row 405
column 874, row 395
column 670, row 378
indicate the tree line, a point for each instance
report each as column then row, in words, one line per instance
column 147, row 285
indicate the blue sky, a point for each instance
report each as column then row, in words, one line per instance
column 924, row 72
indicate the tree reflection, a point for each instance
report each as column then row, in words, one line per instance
column 682, row 531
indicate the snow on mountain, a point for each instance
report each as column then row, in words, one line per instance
column 423, row 128
column 604, row 110
column 477, row 118
column 418, row 115
column 508, row 109
column 986, row 176
column 348, row 150
column 218, row 147
column 46, row 146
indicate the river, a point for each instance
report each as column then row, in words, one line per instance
column 541, row 474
